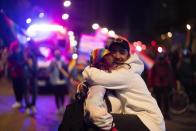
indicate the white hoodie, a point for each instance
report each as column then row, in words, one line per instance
column 132, row 91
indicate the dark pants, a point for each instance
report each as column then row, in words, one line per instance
column 59, row 93
column 30, row 92
column 18, row 86
column 191, row 91
column 125, row 123
column 162, row 97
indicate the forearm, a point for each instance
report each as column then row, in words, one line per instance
column 99, row 77
column 64, row 72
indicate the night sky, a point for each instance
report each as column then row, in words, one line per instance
column 136, row 19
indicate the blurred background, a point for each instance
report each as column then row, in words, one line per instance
column 161, row 32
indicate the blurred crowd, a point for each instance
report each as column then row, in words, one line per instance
column 171, row 70
column 20, row 65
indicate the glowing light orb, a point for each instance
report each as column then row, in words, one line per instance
column 160, row 49
column 95, row 26
column 65, row 16
column 28, row 21
column 67, row 3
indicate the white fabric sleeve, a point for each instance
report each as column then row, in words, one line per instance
column 101, row 117
column 96, row 106
column 117, row 79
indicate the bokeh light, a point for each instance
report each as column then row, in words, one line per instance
column 169, row 34
column 160, row 49
column 45, row 51
column 188, row 27
column 67, row 3
column 65, row 16
column 163, row 37
column 28, row 21
column 138, row 48
column 95, row 26
column 70, row 33
column 111, row 33
column 74, row 56
column 41, row 15
column 104, row 30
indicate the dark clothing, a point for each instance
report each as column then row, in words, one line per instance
column 59, row 92
column 30, row 83
column 124, row 123
column 30, row 93
column 186, row 77
column 161, row 79
column 161, row 74
column 162, row 97
column 128, row 122
column 16, row 72
column 19, row 88
column 16, row 65
column 73, row 118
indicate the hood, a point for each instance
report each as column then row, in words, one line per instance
column 137, row 66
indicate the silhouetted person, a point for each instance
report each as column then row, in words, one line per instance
column 186, row 76
column 161, row 79
column 16, row 68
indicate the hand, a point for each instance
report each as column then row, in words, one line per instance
column 75, row 83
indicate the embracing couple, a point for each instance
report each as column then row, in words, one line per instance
column 133, row 108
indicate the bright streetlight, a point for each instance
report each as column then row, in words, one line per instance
column 160, row 49
column 28, row 21
column 67, row 3
column 74, row 56
column 95, row 26
column 169, row 34
column 65, row 16
column 188, row 27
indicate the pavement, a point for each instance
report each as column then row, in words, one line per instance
column 46, row 118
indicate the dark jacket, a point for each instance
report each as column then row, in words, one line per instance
column 16, row 65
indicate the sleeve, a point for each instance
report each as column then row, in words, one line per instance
column 100, row 117
column 117, row 79
column 95, row 105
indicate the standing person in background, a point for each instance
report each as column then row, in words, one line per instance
column 186, row 77
column 161, row 81
column 16, row 70
column 59, row 79
column 30, row 82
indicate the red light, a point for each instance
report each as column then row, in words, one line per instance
column 153, row 43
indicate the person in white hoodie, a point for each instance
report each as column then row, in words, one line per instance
column 138, row 106
column 102, row 59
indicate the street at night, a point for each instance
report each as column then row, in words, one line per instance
column 126, row 65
